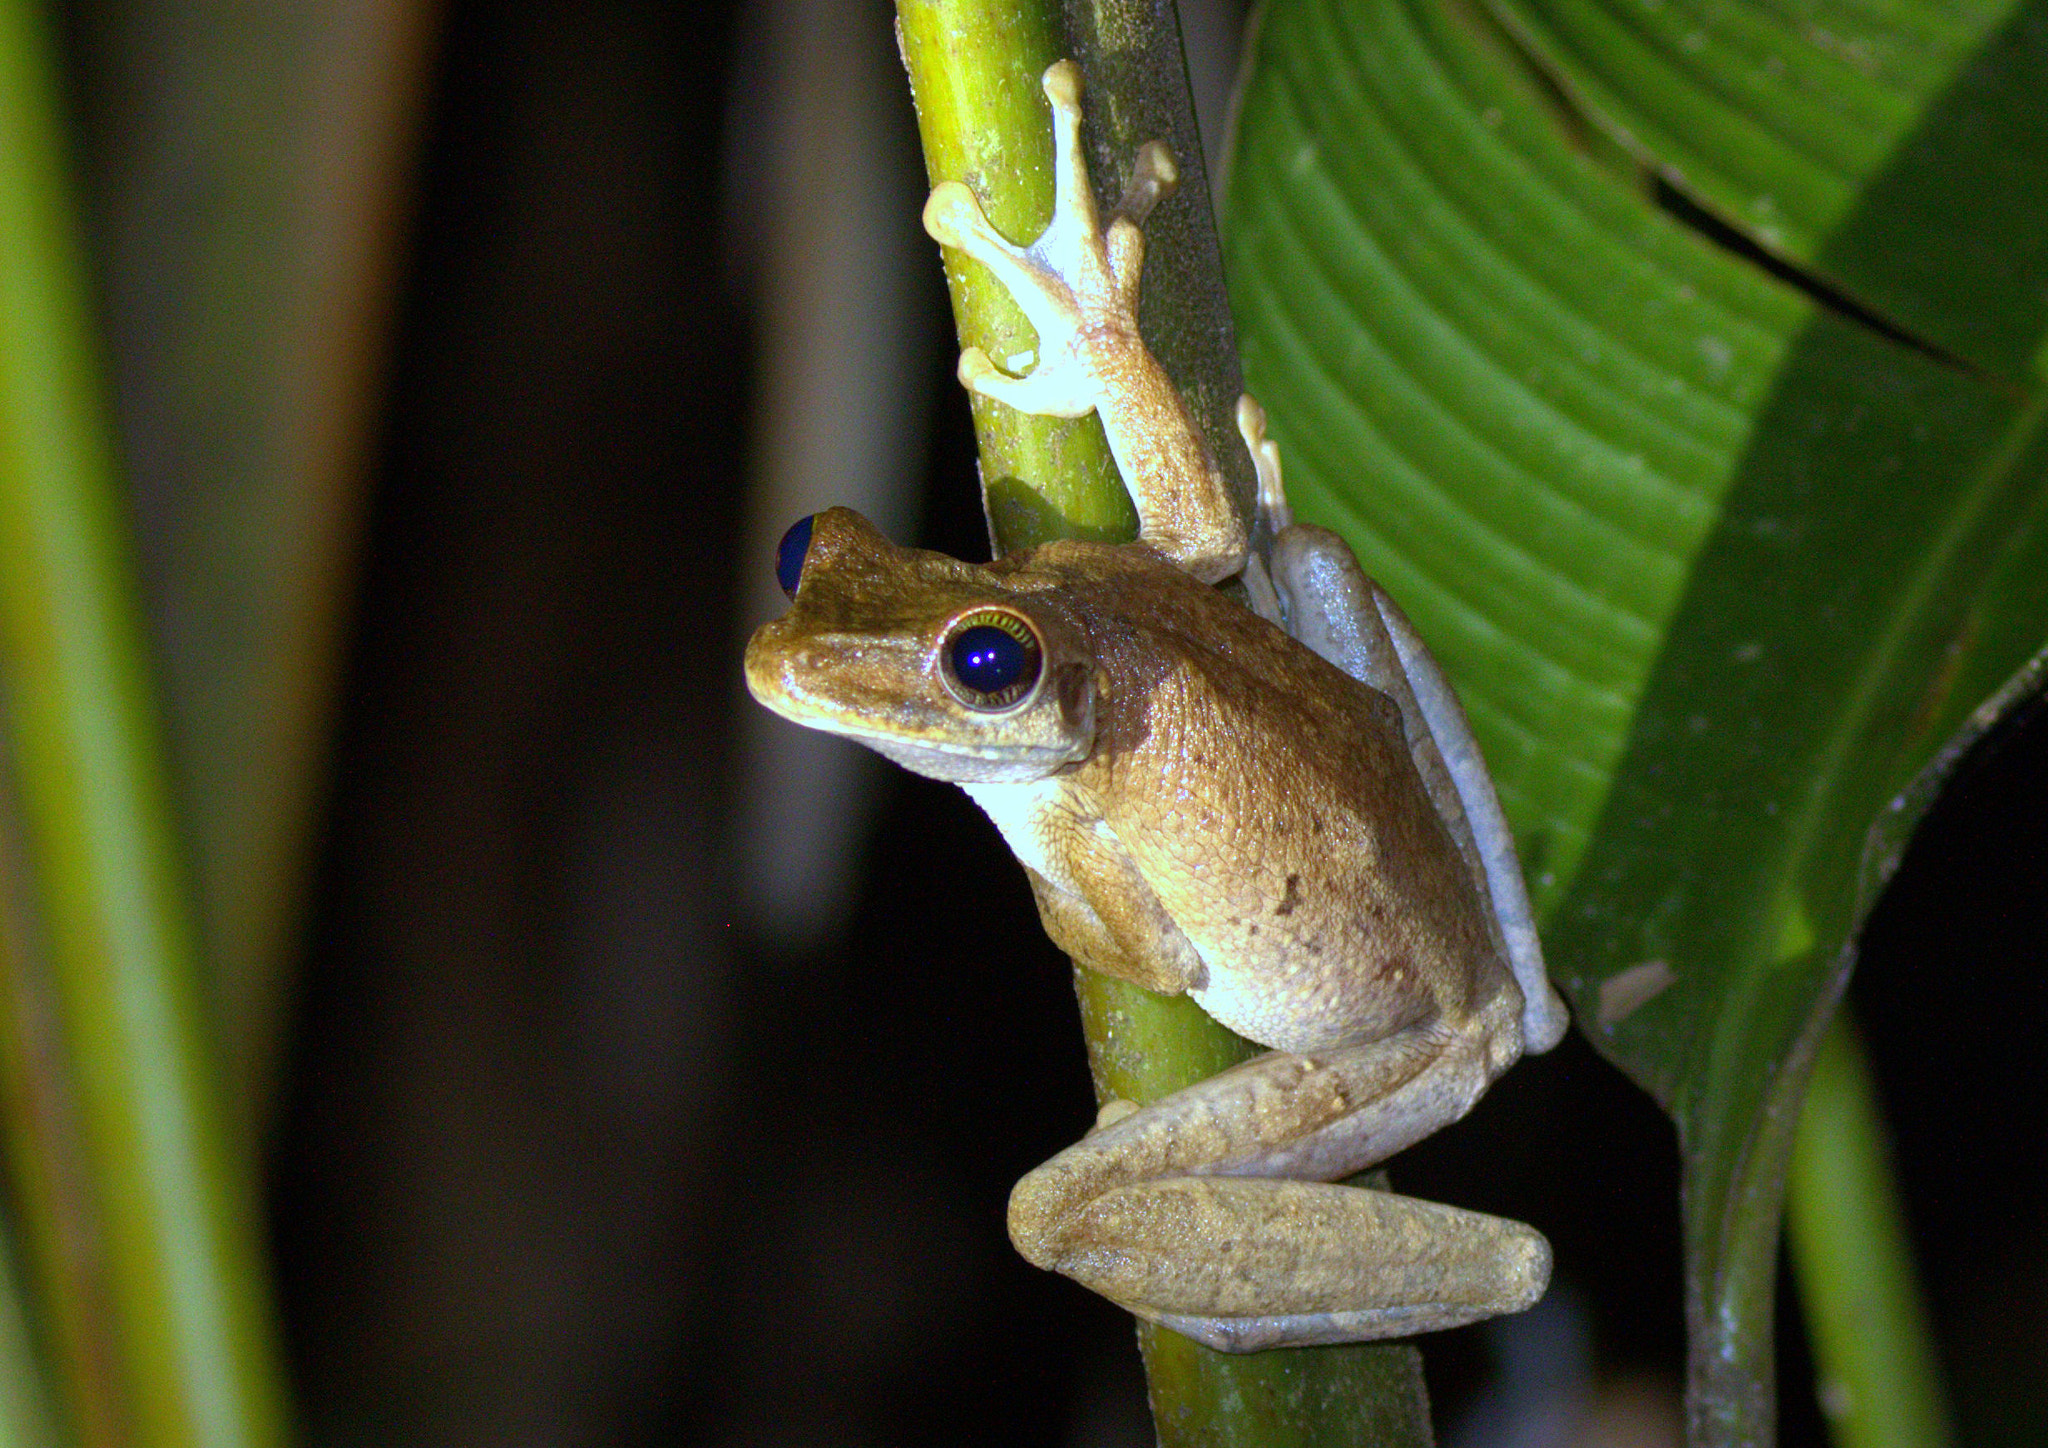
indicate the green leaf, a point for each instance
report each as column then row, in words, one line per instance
column 1846, row 1231
column 1719, row 568
column 243, row 168
column 1900, row 151
column 25, row 1416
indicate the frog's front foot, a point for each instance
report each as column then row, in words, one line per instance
column 1077, row 285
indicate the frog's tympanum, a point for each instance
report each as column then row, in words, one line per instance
column 1285, row 817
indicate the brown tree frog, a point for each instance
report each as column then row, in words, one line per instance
column 1285, row 817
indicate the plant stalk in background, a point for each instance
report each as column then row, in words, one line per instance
column 169, row 1202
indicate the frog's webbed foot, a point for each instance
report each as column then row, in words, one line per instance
column 1077, row 284
column 1060, row 385
column 1210, row 1211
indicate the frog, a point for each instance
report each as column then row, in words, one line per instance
column 1265, row 796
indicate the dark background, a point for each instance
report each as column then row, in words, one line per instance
column 580, row 1147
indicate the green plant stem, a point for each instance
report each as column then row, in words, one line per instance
column 175, row 1204
column 1879, row 1382
column 974, row 71
column 64, row 1268
column 24, row 1397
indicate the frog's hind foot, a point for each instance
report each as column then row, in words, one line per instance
column 1211, row 1210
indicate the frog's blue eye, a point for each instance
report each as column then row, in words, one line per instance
column 987, row 660
column 789, row 554
column 992, row 659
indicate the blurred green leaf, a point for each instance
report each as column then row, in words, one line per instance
column 25, row 1417
column 169, row 1198
column 1721, row 569
column 1846, row 1232
column 245, row 172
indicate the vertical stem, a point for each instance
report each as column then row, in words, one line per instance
column 974, row 71
column 177, row 1206
column 1880, row 1384
column 25, row 1420
column 974, row 68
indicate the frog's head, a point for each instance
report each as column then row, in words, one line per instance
column 934, row 662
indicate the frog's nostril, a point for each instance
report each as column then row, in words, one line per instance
column 789, row 555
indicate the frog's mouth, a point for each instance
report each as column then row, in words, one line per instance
column 818, row 685
column 1014, row 764
column 938, row 748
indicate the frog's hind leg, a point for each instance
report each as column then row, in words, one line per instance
column 1209, row 1211
column 1330, row 605
column 1416, row 1266
column 1322, row 597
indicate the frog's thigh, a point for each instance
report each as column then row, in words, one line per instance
column 1173, row 1210
column 1330, row 606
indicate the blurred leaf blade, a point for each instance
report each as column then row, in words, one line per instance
column 246, row 174
column 25, row 1416
column 59, row 1235
column 1879, row 1389
column 176, row 1198
column 1708, row 560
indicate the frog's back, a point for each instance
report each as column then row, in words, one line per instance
column 1270, row 800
